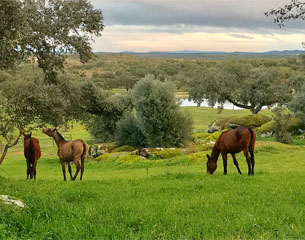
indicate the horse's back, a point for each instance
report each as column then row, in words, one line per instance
column 32, row 149
column 73, row 149
column 234, row 141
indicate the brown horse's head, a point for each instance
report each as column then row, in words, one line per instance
column 211, row 165
column 49, row 131
column 27, row 136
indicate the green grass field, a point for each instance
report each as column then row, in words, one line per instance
column 157, row 199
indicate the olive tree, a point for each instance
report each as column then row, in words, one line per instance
column 241, row 84
column 47, row 30
column 158, row 113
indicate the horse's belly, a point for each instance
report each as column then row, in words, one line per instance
column 235, row 150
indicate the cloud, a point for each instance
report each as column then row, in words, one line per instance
column 240, row 14
column 240, row 35
column 216, row 25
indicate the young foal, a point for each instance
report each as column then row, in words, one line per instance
column 69, row 151
column 233, row 141
column 32, row 153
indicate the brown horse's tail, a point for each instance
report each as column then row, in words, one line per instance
column 83, row 156
column 252, row 141
column 31, row 152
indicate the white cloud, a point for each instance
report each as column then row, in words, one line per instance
column 224, row 25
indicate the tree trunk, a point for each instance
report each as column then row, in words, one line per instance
column 7, row 146
column 256, row 109
column 4, row 153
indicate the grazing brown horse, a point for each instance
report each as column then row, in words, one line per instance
column 69, row 151
column 233, row 141
column 32, row 153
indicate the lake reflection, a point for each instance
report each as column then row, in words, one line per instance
column 227, row 105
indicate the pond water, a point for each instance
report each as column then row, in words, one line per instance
column 227, row 105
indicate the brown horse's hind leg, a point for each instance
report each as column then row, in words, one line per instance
column 252, row 160
column 28, row 171
column 236, row 163
column 63, row 167
column 225, row 160
column 34, row 170
column 248, row 161
column 82, row 168
column 70, row 170
column 77, row 169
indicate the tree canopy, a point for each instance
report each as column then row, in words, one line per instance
column 291, row 11
column 47, row 30
column 241, row 84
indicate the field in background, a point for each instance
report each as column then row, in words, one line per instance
column 158, row 199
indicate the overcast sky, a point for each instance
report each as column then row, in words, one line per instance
column 205, row 25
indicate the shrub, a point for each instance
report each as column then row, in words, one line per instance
column 159, row 116
column 125, row 148
column 119, row 157
column 267, row 127
column 213, row 137
column 280, row 127
column 129, row 133
column 168, row 153
column 252, row 120
column 294, row 124
column 200, row 137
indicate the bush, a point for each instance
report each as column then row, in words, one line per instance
column 280, row 127
column 294, row 124
column 129, row 133
column 267, row 127
column 168, row 153
column 252, row 120
column 125, row 148
column 213, row 137
column 159, row 116
column 200, row 138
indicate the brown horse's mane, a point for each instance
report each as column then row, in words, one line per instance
column 61, row 136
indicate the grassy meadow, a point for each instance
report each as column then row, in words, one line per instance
column 158, row 199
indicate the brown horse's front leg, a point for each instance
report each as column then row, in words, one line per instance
column 236, row 163
column 77, row 164
column 225, row 160
column 63, row 166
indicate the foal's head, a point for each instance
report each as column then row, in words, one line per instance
column 211, row 165
column 27, row 136
column 49, row 131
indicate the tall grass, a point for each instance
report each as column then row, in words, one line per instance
column 157, row 199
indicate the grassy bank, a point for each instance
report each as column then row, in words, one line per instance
column 157, row 199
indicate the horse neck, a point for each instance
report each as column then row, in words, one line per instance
column 58, row 140
column 215, row 153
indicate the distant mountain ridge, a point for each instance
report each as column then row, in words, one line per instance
column 273, row 52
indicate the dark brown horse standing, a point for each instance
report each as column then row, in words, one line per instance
column 233, row 141
column 32, row 153
column 68, row 152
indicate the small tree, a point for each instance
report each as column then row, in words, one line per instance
column 159, row 115
column 47, row 30
column 129, row 133
column 242, row 85
column 101, row 110
column 280, row 127
column 297, row 105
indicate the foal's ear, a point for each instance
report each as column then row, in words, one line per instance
column 208, row 156
column 54, row 130
column 30, row 134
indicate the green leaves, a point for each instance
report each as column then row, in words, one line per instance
column 47, row 31
column 242, row 84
